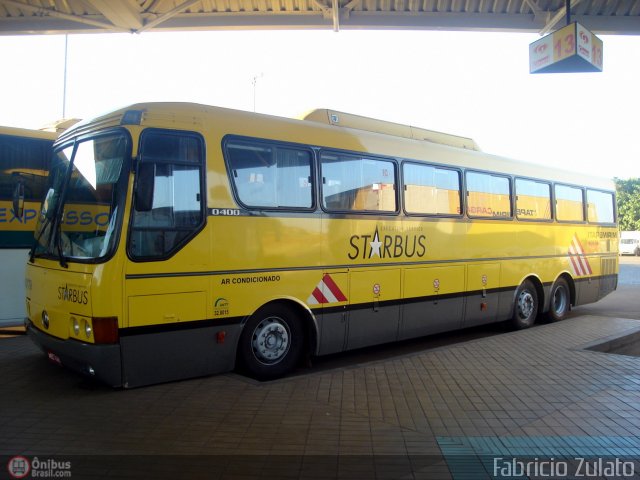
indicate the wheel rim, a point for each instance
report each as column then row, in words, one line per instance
column 560, row 301
column 270, row 340
column 526, row 304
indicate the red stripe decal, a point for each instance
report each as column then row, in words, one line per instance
column 328, row 281
column 588, row 266
column 583, row 259
column 579, row 244
column 318, row 295
column 576, row 266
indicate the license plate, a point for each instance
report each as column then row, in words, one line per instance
column 54, row 358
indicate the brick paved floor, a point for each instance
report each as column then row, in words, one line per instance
column 442, row 413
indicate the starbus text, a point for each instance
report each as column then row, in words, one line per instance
column 73, row 295
column 390, row 246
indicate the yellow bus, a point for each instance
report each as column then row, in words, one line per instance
column 24, row 155
column 231, row 239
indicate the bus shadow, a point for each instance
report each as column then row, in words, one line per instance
column 388, row 351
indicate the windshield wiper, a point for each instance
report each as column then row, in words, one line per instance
column 55, row 228
column 58, row 240
column 36, row 241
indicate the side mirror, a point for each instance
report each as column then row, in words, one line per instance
column 145, row 180
column 18, row 199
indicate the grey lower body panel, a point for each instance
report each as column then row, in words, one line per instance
column 147, row 358
column 368, row 325
column 157, row 357
column 589, row 290
column 100, row 361
column 431, row 317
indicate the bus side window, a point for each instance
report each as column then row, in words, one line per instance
column 569, row 204
column 177, row 208
column 488, row 195
column 431, row 190
column 600, row 206
column 24, row 160
column 355, row 183
column 269, row 175
column 533, row 200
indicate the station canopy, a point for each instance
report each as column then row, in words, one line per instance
column 19, row 17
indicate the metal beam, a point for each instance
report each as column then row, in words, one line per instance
column 559, row 15
column 322, row 7
column 537, row 11
column 48, row 12
column 483, row 22
column 348, row 8
column 166, row 16
column 122, row 13
column 376, row 20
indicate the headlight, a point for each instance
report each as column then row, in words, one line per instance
column 76, row 325
column 87, row 329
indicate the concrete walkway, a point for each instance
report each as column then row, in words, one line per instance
column 442, row 413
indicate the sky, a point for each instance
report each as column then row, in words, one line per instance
column 471, row 84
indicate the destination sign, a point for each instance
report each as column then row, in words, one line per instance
column 570, row 49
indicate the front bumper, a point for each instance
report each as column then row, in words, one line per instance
column 99, row 361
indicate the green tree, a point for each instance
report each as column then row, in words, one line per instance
column 628, row 196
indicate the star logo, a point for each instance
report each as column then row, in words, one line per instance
column 375, row 245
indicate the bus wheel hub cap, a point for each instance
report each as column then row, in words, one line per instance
column 559, row 301
column 525, row 304
column 270, row 340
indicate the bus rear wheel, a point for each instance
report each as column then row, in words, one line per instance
column 271, row 342
column 560, row 302
column 525, row 308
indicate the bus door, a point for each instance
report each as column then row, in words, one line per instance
column 166, row 283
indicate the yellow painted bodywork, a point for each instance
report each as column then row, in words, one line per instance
column 238, row 263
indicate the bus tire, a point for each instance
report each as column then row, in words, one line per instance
column 271, row 342
column 559, row 301
column 525, row 307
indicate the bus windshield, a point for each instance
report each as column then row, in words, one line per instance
column 84, row 200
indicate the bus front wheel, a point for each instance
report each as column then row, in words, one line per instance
column 526, row 306
column 271, row 342
column 560, row 301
